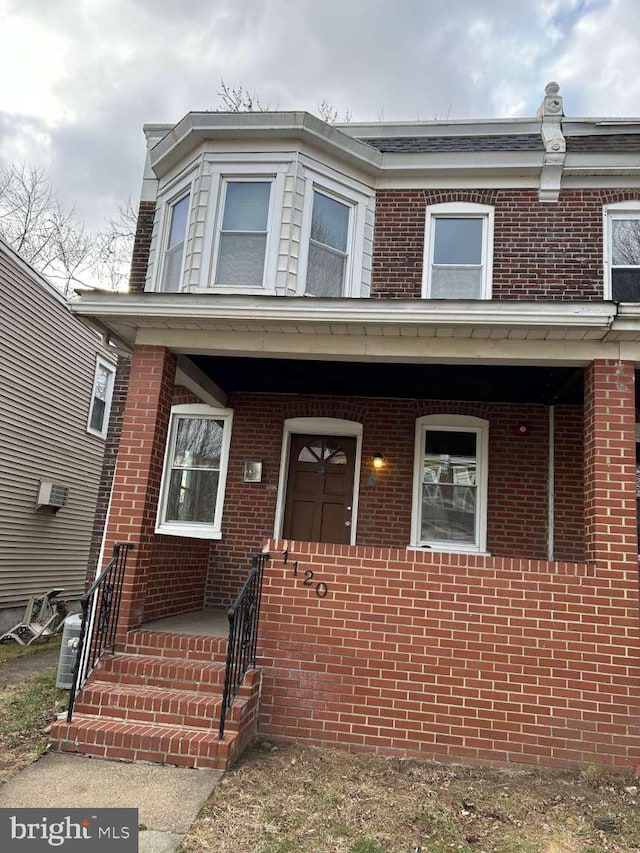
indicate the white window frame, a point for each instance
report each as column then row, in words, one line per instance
column 222, row 172
column 452, row 423
column 110, row 367
column 169, row 197
column 459, row 210
column 616, row 210
column 197, row 530
column 316, row 182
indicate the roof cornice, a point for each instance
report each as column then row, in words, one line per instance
column 198, row 127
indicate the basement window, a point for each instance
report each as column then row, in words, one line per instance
column 195, row 471
column 450, row 483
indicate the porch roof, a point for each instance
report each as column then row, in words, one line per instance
column 487, row 331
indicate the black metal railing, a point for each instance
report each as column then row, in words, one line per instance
column 100, row 610
column 243, row 618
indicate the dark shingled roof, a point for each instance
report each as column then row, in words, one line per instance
column 419, row 144
column 611, row 142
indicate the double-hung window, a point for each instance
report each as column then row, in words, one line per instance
column 450, row 483
column 193, row 484
column 458, row 251
column 175, row 241
column 622, row 251
column 328, row 257
column 101, row 394
column 243, row 232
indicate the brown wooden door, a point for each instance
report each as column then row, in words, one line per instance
column 319, row 500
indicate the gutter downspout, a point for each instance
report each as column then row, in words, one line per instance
column 551, row 484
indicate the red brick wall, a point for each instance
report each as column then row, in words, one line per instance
column 141, row 245
column 157, row 563
column 485, row 659
column 610, row 464
column 541, row 251
column 518, row 477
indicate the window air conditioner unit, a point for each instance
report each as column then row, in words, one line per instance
column 52, row 495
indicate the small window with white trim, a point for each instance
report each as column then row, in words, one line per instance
column 195, row 471
column 101, row 394
column 175, row 242
column 450, row 483
column 243, row 230
column 622, row 252
column 458, row 251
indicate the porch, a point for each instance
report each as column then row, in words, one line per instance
column 455, row 607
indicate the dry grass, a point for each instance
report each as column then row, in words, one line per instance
column 12, row 651
column 26, row 710
column 292, row 799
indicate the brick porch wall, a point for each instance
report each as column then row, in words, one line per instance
column 485, row 659
column 518, row 476
column 165, row 574
column 541, row 251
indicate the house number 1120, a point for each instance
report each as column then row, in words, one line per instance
column 321, row 588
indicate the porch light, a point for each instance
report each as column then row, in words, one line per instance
column 378, row 461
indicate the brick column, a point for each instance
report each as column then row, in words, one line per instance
column 138, row 473
column 609, row 464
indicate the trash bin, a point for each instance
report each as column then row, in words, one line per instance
column 68, row 651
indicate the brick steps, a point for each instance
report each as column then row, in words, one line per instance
column 127, row 741
column 162, row 705
column 172, row 673
column 166, row 645
column 156, row 705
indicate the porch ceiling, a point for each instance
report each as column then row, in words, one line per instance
column 525, row 384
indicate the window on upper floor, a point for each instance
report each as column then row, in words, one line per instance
column 450, row 483
column 176, row 232
column 101, row 394
column 243, row 232
column 328, row 257
column 195, row 470
column 622, row 251
column 333, row 237
column 458, row 251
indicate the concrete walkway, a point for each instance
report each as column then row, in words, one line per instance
column 168, row 798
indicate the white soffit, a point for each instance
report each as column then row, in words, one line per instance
column 126, row 315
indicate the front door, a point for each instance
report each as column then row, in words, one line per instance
column 319, row 502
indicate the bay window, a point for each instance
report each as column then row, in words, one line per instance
column 175, row 243
column 328, row 256
column 243, row 232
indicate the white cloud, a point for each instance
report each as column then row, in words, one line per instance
column 86, row 74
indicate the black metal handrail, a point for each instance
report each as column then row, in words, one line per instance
column 243, row 618
column 100, row 611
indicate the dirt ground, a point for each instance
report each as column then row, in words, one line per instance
column 284, row 798
column 29, row 701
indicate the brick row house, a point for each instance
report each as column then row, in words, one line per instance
column 400, row 359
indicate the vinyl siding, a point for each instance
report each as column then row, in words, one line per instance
column 47, row 365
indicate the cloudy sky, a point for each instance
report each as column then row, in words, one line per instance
column 80, row 77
